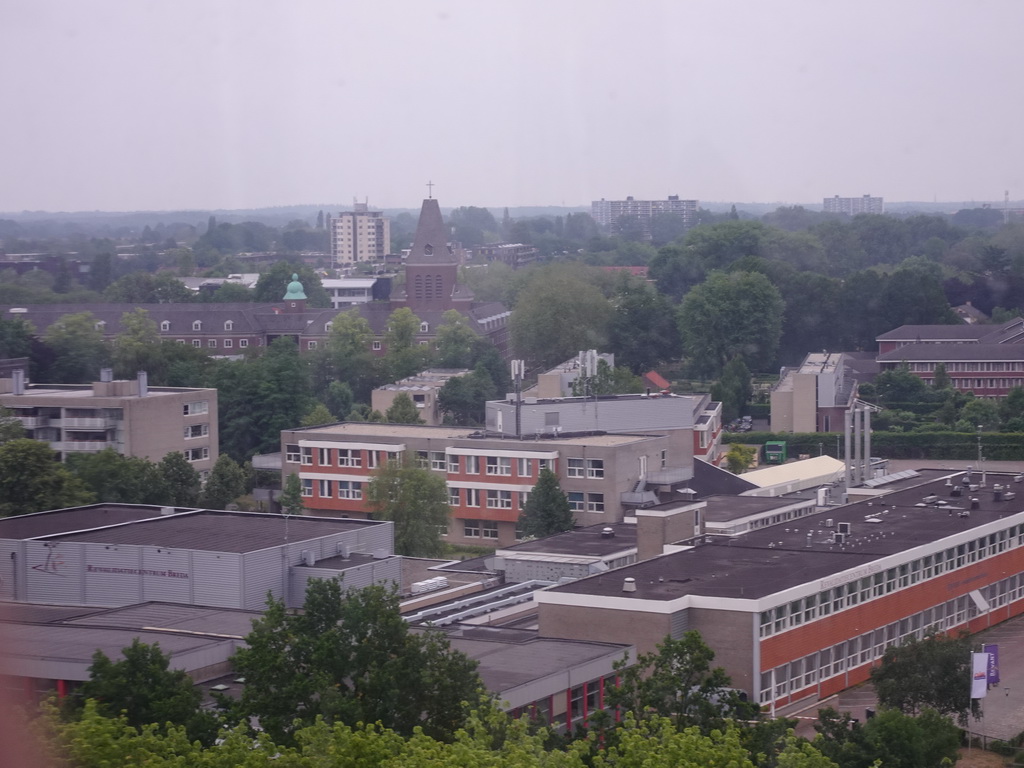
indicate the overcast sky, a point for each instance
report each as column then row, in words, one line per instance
column 137, row 105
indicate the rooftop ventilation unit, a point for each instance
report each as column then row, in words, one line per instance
column 380, row 554
column 344, row 550
column 844, row 528
column 308, row 558
column 629, row 584
column 829, row 522
column 607, row 533
column 839, row 538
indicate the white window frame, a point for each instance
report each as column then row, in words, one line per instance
column 243, row 343
column 576, row 468
column 292, row 454
column 350, row 457
column 595, row 469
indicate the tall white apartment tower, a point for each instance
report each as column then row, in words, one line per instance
column 359, row 235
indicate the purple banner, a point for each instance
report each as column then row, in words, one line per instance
column 993, row 664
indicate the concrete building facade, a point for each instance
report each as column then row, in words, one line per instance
column 129, row 416
column 987, row 360
column 359, row 235
column 489, row 477
column 851, row 206
column 607, row 212
column 422, row 388
column 798, row 611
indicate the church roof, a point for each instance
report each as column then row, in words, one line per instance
column 430, row 245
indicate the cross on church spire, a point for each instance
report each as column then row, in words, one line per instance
column 430, row 189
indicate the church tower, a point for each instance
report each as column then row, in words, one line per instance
column 432, row 269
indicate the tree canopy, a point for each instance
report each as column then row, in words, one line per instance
column 547, row 509
column 33, row 480
column 416, row 501
column 350, row 658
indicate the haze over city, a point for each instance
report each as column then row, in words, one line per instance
column 117, row 105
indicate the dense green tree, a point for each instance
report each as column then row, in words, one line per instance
column 558, row 314
column 138, row 346
column 404, row 357
column 232, row 293
column 284, row 391
column 737, row 314
column 10, row 426
column 32, row 480
column 933, row 672
column 143, row 687
column 607, row 381
column 456, row 340
column 403, row 411
column 941, row 379
column 227, row 481
column 675, row 270
column 473, row 226
column 891, row 738
column 913, row 295
column 148, row 288
column 184, row 485
column 739, row 457
column 733, row 389
column 978, row 413
column 666, row 227
column 463, row 399
column 643, row 332
column 291, row 496
column 318, row 414
column 15, row 338
column 114, row 477
column 416, row 501
column 351, row 658
column 338, row 399
column 78, row 347
column 273, row 284
column 1011, row 410
column 678, row 682
column 100, row 271
column 349, row 356
column 546, row 511
column 899, row 385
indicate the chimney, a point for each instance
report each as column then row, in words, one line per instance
column 629, row 584
column 106, row 374
column 143, row 384
column 18, row 382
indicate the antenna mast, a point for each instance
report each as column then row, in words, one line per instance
column 518, row 368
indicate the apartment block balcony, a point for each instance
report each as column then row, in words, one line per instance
column 82, row 423
column 80, row 446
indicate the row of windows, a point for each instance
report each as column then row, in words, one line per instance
column 212, row 343
column 325, row 488
column 589, row 502
column 862, row 590
column 345, row 457
column 476, row 529
column 1014, row 365
column 826, row 663
column 197, row 325
column 196, row 430
column 495, row 466
column 986, row 383
column 590, row 468
column 474, row 497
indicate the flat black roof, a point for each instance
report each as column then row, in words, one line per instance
column 216, row 531
column 74, row 519
column 772, row 559
column 582, row 541
column 722, row 509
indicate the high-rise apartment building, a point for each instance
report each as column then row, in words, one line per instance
column 851, row 206
column 608, row 212
column 359, row 235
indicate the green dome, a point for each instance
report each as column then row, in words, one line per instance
column 295, row 291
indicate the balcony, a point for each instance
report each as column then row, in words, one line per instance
column 81, row 446
column 34, row 422
column 81, row 423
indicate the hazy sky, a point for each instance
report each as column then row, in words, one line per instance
column 138, row 105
